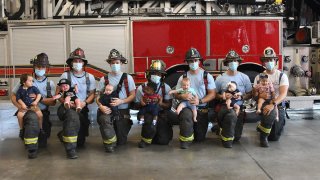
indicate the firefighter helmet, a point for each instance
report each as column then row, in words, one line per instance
column 157, row 66
column 268, row 54
column 231, row 56
column 77, row 54
column 116, row 55
column 41, row 60
column 192, row 54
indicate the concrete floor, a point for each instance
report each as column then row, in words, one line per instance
column 295, row 156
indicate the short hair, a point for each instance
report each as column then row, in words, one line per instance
column 185, row 79
column 263, row 76
column 24, row 78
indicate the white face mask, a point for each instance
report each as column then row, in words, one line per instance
column 155, row 79
column 77, row 66
column 115, row 67
column 194, row 66
column 40, row 72
column 233, row 66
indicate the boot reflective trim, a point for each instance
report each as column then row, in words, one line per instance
column 263, row 129
column 225, row 138
column 70, row 139
column 30, row 140
column 111, row 140
column 146, row 140
column 186, row 139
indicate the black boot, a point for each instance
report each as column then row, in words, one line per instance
column 227, row 144
column 264, row 141
column 109, row 149
column 142, row 144
column 32, row 154
column 72, row 154
column 184, row 144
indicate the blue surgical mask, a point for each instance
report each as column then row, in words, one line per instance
column 40, row 72
column 155, row 79
column 233, row 66
column 270, row 65
column 115, row 67
column 77, row 66
column 194, row 66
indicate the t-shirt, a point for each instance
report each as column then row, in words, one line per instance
column 23, row 94
column 114, row 81
column 265, row 89
column 185, row 91
column 242, row 80
column 274, row 78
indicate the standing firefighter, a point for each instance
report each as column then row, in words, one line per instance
column 230, row 124
column 161, row 132
column 30, row 131
column 268, row 127
column 76, row 125
column 203, row 83
column 114, row 130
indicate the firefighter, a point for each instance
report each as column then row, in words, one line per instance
column 161, row 132
column 280, row 82
column 30, row 132
column 76, row 125
column 230, row 124
column 114, row 130
column 204, row 85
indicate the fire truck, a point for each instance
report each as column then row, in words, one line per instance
column 148, row 30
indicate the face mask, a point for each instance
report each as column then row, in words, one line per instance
column 155, row 79
column 233, row 66
column 77, row 66
column 40, row 73
column 270, row 65
column 115, row 67
column 194, row 66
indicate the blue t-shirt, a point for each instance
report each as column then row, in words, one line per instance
column 242, row 80
column 23, row 94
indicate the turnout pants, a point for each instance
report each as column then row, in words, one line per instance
column 266, row 122
column 230, row 125
column 161, row 133
column 46, row 126
column 190, row 130
column 75, row 126
column 114, row 132
column 31, row 130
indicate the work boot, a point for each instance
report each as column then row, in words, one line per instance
column 227, row 144
column 184, row 144
column 264, row 141
column 142, row 144
column 60, row 136
column 32, row 154
column 72, row 154
column 109, row 149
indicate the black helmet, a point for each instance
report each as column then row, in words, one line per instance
column 157, row 66
column 116, row 55
column 231, row 56
column 192, row 54
column 40, row 60
column 268, row 53
column 77, row 54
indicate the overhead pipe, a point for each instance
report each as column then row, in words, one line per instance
column 247, row 2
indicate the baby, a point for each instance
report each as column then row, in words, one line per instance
column 233, row 91
column 151, row 99
column 26, row 102
column 185, row 88
column 69, row 94
column 107, row 97
column 264, row 87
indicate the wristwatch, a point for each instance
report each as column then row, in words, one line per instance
column 200, row 101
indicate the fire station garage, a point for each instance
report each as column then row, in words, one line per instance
column 169, row 89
